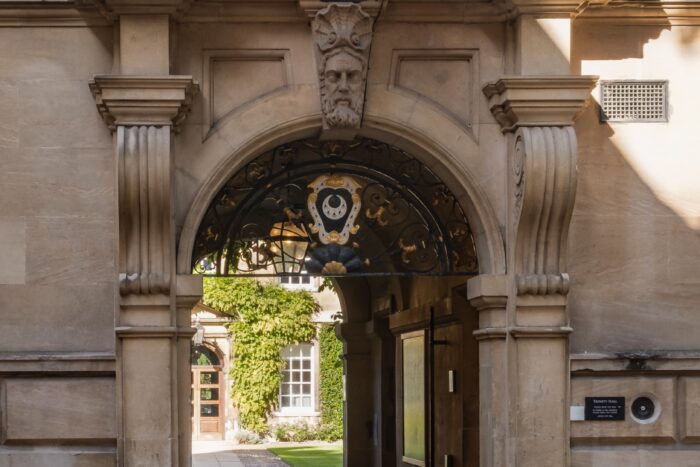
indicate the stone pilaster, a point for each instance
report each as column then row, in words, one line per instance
column 358, row 421
column 489, row 296
column 153, row 339
column 537, row 114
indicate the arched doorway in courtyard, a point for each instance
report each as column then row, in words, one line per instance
column 399, row 246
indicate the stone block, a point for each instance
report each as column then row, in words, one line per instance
column 9, row 102
column 144, row 44
column 57, row 317
column 71, row 251
column 67, row 409
column 13, row 246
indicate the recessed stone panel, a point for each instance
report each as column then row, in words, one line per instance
column 66, row 409
column 690, row 409
column 58, row 457
column 661, row 390
column 634, row 457
column 445, row 77
column 234, row 78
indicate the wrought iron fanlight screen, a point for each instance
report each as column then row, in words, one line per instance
column 335, row 208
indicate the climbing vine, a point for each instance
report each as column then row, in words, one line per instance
column 266, row 319
column 331, row 384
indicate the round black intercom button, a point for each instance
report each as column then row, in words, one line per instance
column 643, row 408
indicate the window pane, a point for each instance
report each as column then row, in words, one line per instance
column 209, row 378
column 307, row 376
column 209, row 394
column 414, row 398
column 306, row 402
column 204, row 356
column 296, row 364
column 209, row 410
column 305, row 350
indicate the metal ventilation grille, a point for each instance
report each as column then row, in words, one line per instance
column 633, row 101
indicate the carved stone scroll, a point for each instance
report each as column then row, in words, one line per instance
column 545, row 168
column 143, row 111
column 342, row 34
column 145, row 243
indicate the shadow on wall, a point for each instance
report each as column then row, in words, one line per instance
column 634, row 238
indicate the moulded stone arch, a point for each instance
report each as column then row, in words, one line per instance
column 427, row 133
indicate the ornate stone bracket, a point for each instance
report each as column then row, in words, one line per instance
column 342, row 33
column 142, row 110
column 540, row 111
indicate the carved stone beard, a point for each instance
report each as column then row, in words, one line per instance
column 340, row 116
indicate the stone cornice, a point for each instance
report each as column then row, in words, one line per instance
column 143, row 100
column 550, row 8
column 31, row 13
column 111, row 9
column 311, row 7
column 658, row 13
column 519, row 101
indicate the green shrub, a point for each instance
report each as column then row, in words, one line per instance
column 246, row 437
column 331, row 385
column 296, row 432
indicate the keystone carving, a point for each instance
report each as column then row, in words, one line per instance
column 342, row 34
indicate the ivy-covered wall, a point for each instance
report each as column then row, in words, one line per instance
column 330, row 384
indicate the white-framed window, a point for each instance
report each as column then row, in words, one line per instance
column 304, row 282
column 298, row 385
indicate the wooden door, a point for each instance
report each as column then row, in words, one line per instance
column 207, row 403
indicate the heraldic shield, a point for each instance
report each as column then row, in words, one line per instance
column 334, row 204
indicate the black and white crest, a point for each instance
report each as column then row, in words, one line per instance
column 334, row 204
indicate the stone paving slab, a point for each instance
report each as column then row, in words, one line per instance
column 225, row 455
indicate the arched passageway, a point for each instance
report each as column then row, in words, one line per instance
column 400, row 248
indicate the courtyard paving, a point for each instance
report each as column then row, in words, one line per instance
column 226, row 454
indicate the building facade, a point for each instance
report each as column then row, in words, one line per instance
column 214, row 415
column 519, row 286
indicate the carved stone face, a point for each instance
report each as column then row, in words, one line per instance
column 342, row 90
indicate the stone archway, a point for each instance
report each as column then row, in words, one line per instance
column 370, row 352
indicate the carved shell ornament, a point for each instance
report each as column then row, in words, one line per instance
column 342, row 26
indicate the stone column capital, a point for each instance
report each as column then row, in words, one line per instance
column 143, row 100
column 519, row 101
column 188, row 290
